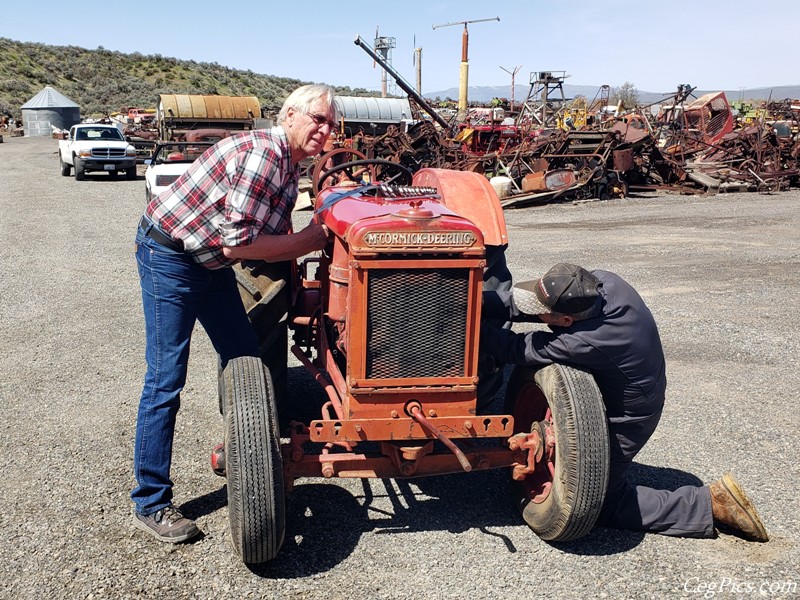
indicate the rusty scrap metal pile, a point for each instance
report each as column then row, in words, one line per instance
column 691, row 146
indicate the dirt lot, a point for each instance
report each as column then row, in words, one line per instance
column 720, row 274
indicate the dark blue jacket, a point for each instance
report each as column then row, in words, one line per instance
column 619, row 346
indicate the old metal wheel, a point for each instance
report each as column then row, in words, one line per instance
column 253, row 463
column 328, row 160
column 562, row 498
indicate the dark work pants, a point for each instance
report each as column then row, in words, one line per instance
column 685, row 512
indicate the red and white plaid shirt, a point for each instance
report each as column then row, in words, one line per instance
column 242, row 187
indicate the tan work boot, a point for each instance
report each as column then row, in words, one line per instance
column 731, row 508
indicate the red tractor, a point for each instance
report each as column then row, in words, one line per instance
column 387, row 321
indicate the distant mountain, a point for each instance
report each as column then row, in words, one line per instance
column 486, row 93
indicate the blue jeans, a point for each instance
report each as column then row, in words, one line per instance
column 177, row 292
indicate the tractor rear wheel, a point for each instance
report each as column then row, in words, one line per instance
column 562, row 498
column 253, row 463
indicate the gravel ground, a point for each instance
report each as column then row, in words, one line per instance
column 720, row 274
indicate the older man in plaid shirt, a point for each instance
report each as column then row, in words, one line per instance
column 234, row 203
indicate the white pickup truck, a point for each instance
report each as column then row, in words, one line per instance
column 93, row 147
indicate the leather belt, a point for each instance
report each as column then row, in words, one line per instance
column 153, row 232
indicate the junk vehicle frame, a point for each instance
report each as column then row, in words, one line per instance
column 387, row 321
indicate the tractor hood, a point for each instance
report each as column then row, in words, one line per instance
column 391, row 224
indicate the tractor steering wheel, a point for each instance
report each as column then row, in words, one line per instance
column 380, row 171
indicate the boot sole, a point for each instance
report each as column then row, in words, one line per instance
column 737, row 493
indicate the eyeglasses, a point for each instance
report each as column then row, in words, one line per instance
column 320, row 120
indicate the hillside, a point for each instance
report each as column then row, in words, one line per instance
column 101, row 81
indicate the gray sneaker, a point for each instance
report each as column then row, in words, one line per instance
column 167, row 525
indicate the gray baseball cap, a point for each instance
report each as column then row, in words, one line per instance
column 565, row 288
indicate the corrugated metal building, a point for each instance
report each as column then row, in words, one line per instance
column 47, row 109
column 373, row 115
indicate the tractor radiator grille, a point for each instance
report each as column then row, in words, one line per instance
column 416, row 323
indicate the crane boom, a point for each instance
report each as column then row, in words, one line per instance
column 465, row 23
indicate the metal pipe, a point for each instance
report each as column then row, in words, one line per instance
column 416, row 414
column 320, row 379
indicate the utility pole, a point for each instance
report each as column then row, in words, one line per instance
column 418, row 65
column 513, row 75
column 463, row 83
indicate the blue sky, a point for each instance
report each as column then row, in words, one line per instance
column 711, row 44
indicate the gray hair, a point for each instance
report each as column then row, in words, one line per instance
column 303, row 97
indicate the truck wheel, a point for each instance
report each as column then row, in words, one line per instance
column 253, row 463
column 80, row 174
column 562, row 498
column 265, row 289
column 65, row 167
column 130, row 173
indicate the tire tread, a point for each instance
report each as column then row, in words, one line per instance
column 254, row 466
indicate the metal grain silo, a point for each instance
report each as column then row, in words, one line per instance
column 48, row 109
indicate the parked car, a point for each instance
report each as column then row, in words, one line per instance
column 169, row 161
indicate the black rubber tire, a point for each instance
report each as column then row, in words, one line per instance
column 582, row 451
column 265, row 289
column 80, row 174
column 130, row 174
column 66, row 168
column 253, row 463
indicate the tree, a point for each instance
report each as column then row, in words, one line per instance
column 579, row 101
column 627, row 95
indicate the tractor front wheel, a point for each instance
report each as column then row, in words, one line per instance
column 253, row 463
column 562, row 498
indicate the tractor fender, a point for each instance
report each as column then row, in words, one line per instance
column 471, row 196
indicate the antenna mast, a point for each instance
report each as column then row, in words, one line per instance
column 513, row 75
column 464, row 79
